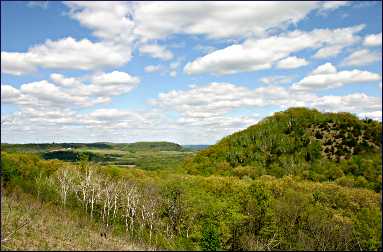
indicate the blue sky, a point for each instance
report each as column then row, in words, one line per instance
column 190, row 72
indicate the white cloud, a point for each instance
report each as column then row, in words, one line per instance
column 326, row 68
column 44, row 91
column 16, row 63
column 332, row 5
column 271, row 80
column 326, row 76
column 327, row 52
column 65, row 53
column 152, row 68
column 291, row 62
column 70, row 92
column 156, row 51
column 216, row 99
column 373, row 40
column 354, row 103
column 9, row 94
column 112, row 84
column 375, row 115
column 257, row 54
column 361, row 57
column 110, row 21
column 211, row 19
column 203, row 117
column 65, row 82
column 115, row 78
column 208, row 106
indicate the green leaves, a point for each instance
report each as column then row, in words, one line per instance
column 210, row 237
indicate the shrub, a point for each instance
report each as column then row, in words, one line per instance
column 210, row 237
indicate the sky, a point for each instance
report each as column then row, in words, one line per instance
column 185, row 72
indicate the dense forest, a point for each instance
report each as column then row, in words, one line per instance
column 301, row 142
column 298, row 180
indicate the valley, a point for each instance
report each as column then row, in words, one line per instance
column 298, row 180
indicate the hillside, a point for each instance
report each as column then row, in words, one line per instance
column 67, row 205
column 299, row 141
column 164, row 146
column 28, row 223
column 44, row 147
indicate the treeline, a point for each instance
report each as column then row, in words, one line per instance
column 138, row 146
column 154, row 146
column 205, row 213
column 300, row 142
column 43, row 147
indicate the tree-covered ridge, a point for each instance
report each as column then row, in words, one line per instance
column 44, row 147
column 170, row 211
column 299, row 141
column 165, row 146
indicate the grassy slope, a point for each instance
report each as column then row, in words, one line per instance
column 51, row 228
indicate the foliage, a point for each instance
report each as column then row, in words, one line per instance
column 301, row 142
column 210, row 237
column 299, row 180
column 177, row 211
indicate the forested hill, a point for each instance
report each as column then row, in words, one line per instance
column 298, row 141
column 43, row 147
column 167, row 146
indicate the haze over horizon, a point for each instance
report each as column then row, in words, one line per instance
column 189, row 73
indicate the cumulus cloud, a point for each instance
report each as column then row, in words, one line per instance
column 204, row 114
column 257, row 54
column 327, row 76
column 216, row 99
column 48, row 92
column 327, row 68
column 362, row 57
column 110, row 21
column 61, row 80
column 156, row 51
column 292, row 62
column 66, row 53
column 9, row 94
column 128, row 21
column 209, row 105
column 111, row 84
column 210, row 18
column 354, row 103
column 70, row 92
column 373, row 40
